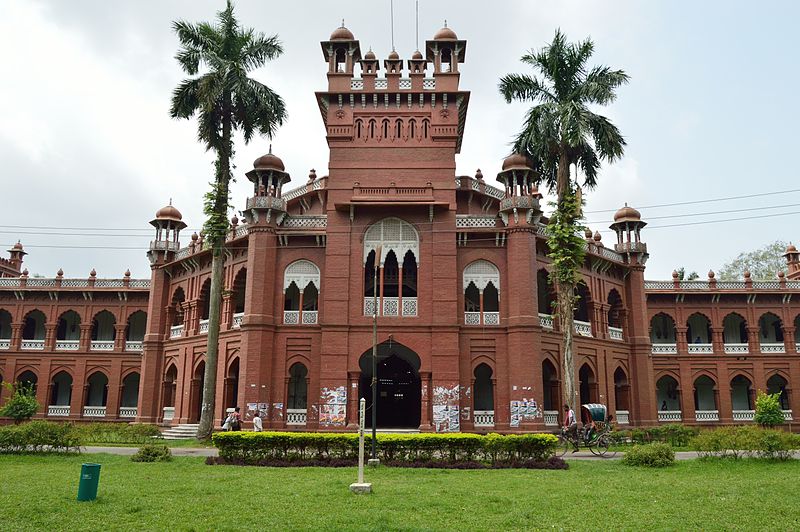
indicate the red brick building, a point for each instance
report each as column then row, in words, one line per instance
column 456, row 268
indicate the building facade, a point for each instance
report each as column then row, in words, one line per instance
column 453, row 269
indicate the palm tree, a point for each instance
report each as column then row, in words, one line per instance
column 559, row 131
column 224, row 99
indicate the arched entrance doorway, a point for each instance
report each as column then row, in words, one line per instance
column 197, row 392
column 399, row 387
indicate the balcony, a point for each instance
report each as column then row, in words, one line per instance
column 704, row 349
column 787, row 415
column 67, row 345
column 615, row 333
column 169, row 413
column 623, row 417
column 484, row 418
column 102, row 345
column 128, row 411
column 664, row 349
column 736, row 349
column 391, row 307
column 706, row 415
column 546, row 321
column 310, row 317
column 58, row 410
column 94, row 411
column 203, row 328
column 135, row 346
column 291, row 317
column 237, row 319
column 670, row 416
column 409, row 307
column 551, row 418
column 5, row 343
column 296, row 416
column 744, row 415
column 583, row 328
column 773, row 348
column 474, row 318
column 176, row 331
column 33, row 345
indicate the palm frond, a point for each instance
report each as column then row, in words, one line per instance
column 607, row 138
column 523, row 87
column 260, row 49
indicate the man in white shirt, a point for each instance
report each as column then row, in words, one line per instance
column 258, row 426
column 571, row 426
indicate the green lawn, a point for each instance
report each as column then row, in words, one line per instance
column 39, row 492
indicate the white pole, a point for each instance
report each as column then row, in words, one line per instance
column 361, row 486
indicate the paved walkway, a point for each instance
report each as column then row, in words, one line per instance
column 211, row 451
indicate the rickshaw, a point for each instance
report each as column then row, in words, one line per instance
column 597, row 439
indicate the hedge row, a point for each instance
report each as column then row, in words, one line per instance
column 117, row 432
column 675, row 434
column 752, row 441
column 39, row 437
column 257, row 447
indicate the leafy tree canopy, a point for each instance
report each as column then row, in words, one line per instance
column 763, row 263
column 22, row 404
column 683, row 276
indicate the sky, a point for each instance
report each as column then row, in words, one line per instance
column 88, row 151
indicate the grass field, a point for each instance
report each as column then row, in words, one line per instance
column 38, row 492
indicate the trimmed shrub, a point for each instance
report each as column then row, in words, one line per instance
column 117, row 432
column 152, row 453
column 675, row 434
column 768, row 409
column 650, row 455
column 753, row 441
column 39, row 437
column 256, row 447
column 22, row 404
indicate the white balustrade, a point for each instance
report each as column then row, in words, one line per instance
column 773, row 348
column 409, row 307
column 94, row 411
column 5, row 343
column 102, row 345
column 551, row 418
column 135, row 346
column 546, row 321
column 296, row 416
column 472, row 318
column 58, row 410
column 33, row 345
column 744, row 415
column 128, row 411
column 615, row 333
column 701, row 348
column 664, row 349
column 623, row 417
column 291, row 317
column 203, row 328
column 484, row 418
column 669, row 415
column 491, row 318
column 583, row 328
column 732, row 349
column 310, row 317
column 390, row 306
column 176, row 331
column 787, row 415
column 369, row 306
column 67, row 345
column 706, row 415
column 429, row 83
column 169, row 413
column 237, row 319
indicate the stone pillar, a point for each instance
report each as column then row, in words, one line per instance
column 788, row 339
column 50, row 337
column 86, row 336
column 717, row 340
column 114, row 389
column 16, row 336
column 680, row 339
column 227, row 311
column 352, row 399
column 159, row 318
column 753, row 341
column 426, row 382
column 119, row 338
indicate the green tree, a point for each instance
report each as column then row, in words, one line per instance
column 225, row 100
column 561, row 129
column 682, row 275
column 22, row 404
column 768, row 409
column 763, row 263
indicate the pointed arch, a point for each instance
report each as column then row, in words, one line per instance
column 734, row 329
column 391, row 234
column 662, row 329
column 34, row 325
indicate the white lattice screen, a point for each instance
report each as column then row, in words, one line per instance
column 481, row 272
column 393, row 234
column 301, row 272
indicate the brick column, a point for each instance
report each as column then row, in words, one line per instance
column 119, row 338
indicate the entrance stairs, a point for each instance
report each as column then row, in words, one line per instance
column 181, row 432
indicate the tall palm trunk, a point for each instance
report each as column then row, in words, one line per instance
column 565, row 298
column 217, row 268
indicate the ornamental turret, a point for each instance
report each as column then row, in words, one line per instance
column 15, row 256
column 522, row 196
column 342, row 51
column 628, row 225
column 168, row 223
column 268, row 177
column 792, row 257
column 446, row 51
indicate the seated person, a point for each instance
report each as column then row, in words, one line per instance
column 588, row 425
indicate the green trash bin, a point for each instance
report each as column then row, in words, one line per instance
column 90, row 478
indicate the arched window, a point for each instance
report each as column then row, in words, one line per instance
column 484, row 277
column 412, row 128
column 705, row 399
column 359, row 127
column 301, row 291
column 239, row 290
column 545, row 293
column 298, row 388
column 662, row 330
column 615, row 309
column 484, row 396
column 60, row 393
column 130, row 394
column 385, row 129
column 550, row 387
column 205, row 300
column 68, row 331
column 698, row 331
column 104, row 331
column 397, row 287
column 176, row 307
column 587, row 385
column 741, row 393
column 581, row 314
column 668, row 396
column 5, row 328
column 777, row 384
column 168, row 386
column 28, row 380
column 770, row 333
column 134, row 330
column 97, row 390
column 734, row 333
column 33, row 328
column 426, row 124
column 622, row 392
column 231, row 385
column 372, row 129
column 398, row 129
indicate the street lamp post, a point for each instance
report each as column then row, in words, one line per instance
column 373, row 461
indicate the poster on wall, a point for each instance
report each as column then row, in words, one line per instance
column 333, row 406
column 446, row 416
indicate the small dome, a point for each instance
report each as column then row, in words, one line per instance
column 194, row 237
column 445, row 34
column 417, row 55
column 60, row 273
column 587, row 233
column 369, row 56
column 597, row 236
column 17, row 246
column 789, row 249
column 169, row 213
column 312, row 175
column 627, row 214
column 93, row 273
column 711, row 274
column 675, row 275
column 393, row 55
column 479, row 174
column 269, row 162
column 235, row 220
column 516, row 161
column 342, row 34
column 127, row 273
column 747, row 274
column 781, row 275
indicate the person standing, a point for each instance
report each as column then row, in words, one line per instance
column 258, row 426
column 571, row 426
column 236, row 420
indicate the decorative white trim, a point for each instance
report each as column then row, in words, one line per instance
column 5, row 343
column 744, row 415
column 203, row 327
column 134, row 346
column 583, row 328
column 615, row 333
column 551, row 418
column 701, row 349
column 291, row 317
column 669, row 415
column 58, row 410
column 623, row 417
column 94, row 411
column 301, row 272
column 484, row 418
column 296, row 416
column 128, row 411
column 33, row 345
column 237, row 320
column 773, row 348
column 706, row 415
column 732, row 349
column 176, row 331
column 68, row 345
column 481, row 273
column 664, row 349
column 102, row 345
column 546, row 322
column 169, row 413
column 392, row 234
